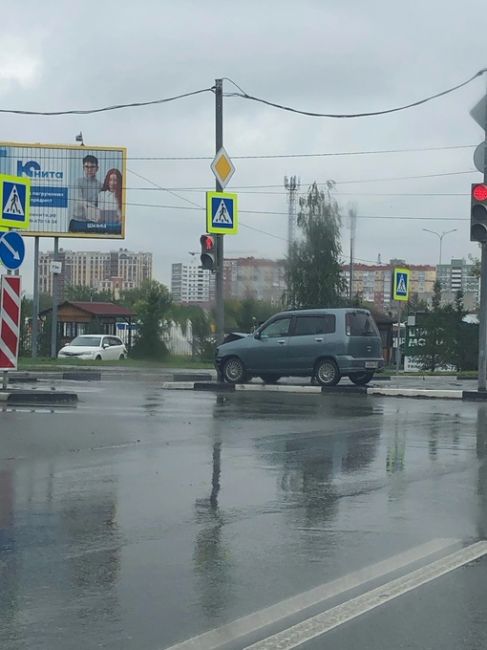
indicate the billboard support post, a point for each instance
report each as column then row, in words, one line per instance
column 35, row 301
column 55, row 277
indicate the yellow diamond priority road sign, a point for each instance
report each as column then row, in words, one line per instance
column 222, row 167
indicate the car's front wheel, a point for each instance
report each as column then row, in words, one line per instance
column 234, row 371
column 122, row 357
column 327, row 373
column 98, row 357
column 361, row 378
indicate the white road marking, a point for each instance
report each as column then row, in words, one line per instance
column 294, row 605
column 320, row 624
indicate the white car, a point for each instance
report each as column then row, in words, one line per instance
column 96, row 347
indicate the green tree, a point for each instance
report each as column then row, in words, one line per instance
column 152, row 312
column 245, row 315
column 432, row 353
column 201, row 323
column 80, row 293
column 313, row 266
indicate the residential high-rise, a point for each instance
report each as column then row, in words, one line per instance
column 122, row 269
column 372, row 283
column 190, row 283
column 459, row 276
column 250, row 277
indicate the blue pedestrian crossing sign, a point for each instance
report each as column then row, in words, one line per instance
column 14, row 202
column 221, row 213
column 400, row 284
column 12, row 249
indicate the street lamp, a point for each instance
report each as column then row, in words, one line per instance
column 440, row 236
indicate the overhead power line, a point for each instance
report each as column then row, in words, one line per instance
column 328, row 154
column 419, row 102
column 276, row 213
column 202, row 188
column 105, row 109
column 243, row 95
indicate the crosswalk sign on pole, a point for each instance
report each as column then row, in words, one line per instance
column 14, row 202
column 400, row 284
column 221, row 213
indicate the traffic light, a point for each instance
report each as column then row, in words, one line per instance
column 208, row 252
column 478, row 213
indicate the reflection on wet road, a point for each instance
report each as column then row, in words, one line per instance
column 143, row 517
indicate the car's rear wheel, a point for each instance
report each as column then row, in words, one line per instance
column 234, row 371
column 361, row 378
column 327, row 373
column 270, row 379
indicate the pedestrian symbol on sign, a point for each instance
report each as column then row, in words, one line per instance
column 13, row 201
column 401, row 285
column 222, row 217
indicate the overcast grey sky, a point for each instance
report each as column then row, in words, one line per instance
column 324, row 56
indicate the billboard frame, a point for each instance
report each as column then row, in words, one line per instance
column 73, row 147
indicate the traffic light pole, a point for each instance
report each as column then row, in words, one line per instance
column 482, row 385
column 220, row 313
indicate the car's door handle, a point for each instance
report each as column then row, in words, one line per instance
column 319, row 339
column 282, row 342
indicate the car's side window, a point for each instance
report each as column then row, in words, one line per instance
column 276, row 329
column 309, row 325
column 114, row 341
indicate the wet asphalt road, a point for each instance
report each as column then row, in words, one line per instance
column 144, row 517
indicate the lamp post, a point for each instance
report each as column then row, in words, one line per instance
column 440, row 236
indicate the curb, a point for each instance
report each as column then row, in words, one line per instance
column 84, row 375
column 416, row 392
column 282, row 388
column 474, row 396
column 27, row 397
column 18, row 379
column 217, row 387
column 192, row 376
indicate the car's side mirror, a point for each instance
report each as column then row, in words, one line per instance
column 105, row 346
column 257, row 335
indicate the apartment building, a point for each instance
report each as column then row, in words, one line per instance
column 373, row 282
column 115, row 270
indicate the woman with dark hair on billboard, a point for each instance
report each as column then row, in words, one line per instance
column 110, row 198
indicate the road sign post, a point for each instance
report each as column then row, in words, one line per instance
column 9, row 322
column 400, row 294
column 479, row 114
column 220, row 309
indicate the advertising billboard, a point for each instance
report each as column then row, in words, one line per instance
column 76, row 191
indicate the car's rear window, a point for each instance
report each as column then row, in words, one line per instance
column 325, row 324
column 360, row 324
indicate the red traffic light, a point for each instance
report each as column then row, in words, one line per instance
column 479, row 192
column 207, row 242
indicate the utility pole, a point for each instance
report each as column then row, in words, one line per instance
column 292, row 185
column 482, row 385
column 220, row 309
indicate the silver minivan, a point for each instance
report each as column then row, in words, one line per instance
column 325, row 344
